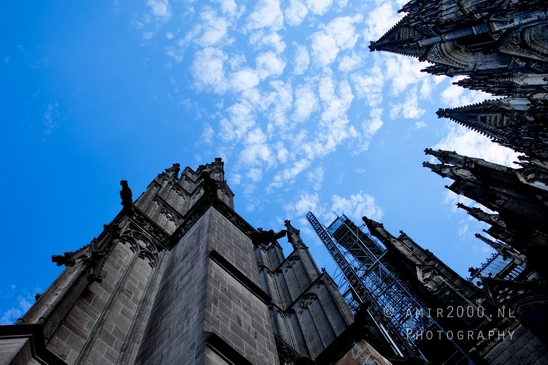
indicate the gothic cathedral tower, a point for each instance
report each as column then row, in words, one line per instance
column 179, row 278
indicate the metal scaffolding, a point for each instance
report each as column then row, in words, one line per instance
column 370, row 279
column 396, row 312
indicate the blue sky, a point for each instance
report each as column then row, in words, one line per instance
column 286, row 92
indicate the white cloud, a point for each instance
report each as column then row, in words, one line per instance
column 339, row 34
column 302, row 59
column 380, row 20
column 241, row 120
column 427, row 87
column 318, row 7
column 273, row 40
column 169, row 35
column 335, row 105
column 343, row 31
column 214, row 29
column 350, row 63
column 12, row 314
column 208, row 69
column 295, row 12
column 369, row 128
column 288, row 175
column 254, row 174
column 472, row 144
column 282, row 100
column 207, row 134
column 256, row 150
column 244, row 79
column 230, row 8
column 160, row 9
column 463, row 230
column 305, row 103
column 176, row 53
column 451, row 199
column 454, row 96
column 267, row 14
column 269, row 64
column 409, row 109
column 356, row 206
column 306, row 202
column 324, row 49
column 282, row 154
column 315, row 178
column 370, row 86
column 403, row 71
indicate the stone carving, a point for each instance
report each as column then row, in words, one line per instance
column 127, row 196
column 158, row 234
column 261, row 236
column 307, row 300
column 290, row 262
column 93, row 254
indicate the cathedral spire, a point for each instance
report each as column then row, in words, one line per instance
column 377, row 230
column 441, row 169
column 449, row 157
column 294, row 236
column 480, row 215
column 505, row 250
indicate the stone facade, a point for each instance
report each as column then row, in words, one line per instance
column 179, row 278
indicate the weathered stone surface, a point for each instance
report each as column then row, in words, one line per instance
column 362, row 353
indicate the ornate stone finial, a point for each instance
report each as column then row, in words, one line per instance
column 294, row 236
column 473, row 272
column 371, row 224
column 442, row 113
column 126, row 195
column 440, row 169
column 483, row 216
column 172, row 173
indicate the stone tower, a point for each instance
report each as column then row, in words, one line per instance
column 501, row 47
column 178, row 277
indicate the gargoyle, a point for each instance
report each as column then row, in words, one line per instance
column 266, row 237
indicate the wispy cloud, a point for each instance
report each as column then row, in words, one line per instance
column 50, row 117
column 160, row 9
column 472, row 144
column 267, row 14
column 24, row 302
column 356, row 206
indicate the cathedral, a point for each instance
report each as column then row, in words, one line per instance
column 499, row 47
column 178, row 277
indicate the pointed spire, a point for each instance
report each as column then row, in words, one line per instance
column 401, row 39
column 491, row 118
column 505, row 250
column 377, row 229
column 450, row 157
column 480, row 215
column 294, row 236
column 440, row 169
